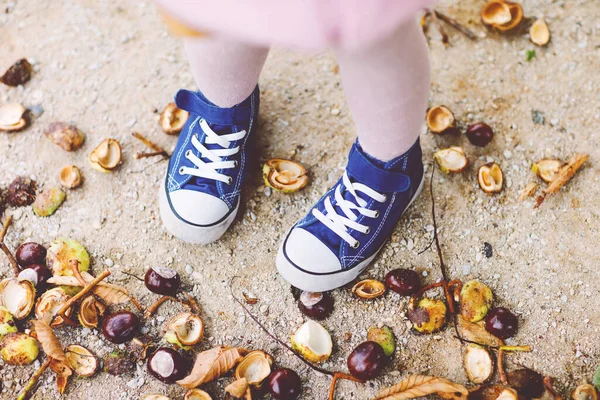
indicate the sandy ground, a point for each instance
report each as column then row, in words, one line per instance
column 106, row 66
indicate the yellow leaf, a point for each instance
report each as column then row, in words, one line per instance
column 212, row 364
column 48, row 340
column 111, row 294
column 420, row 385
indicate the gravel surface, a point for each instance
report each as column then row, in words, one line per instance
column 108, row 66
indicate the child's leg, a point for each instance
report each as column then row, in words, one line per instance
column 225, row 71
column 387, row 86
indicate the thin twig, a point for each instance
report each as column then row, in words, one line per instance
column 314, row 367
column 25, row 393
column 456, row 25
column 150, row 144
column 5, row 249
column 144, row 154
column 133, row 276
column 74, row 264
column 441, row 29
column 501, row 371
column 86, row 289
column 154, row 307
column 336, row 377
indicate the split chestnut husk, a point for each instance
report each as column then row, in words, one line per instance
column 312, row 341
column 255, row 367
column 478, row 363
column 63, row 251
column 90, row 310
column 12, row 117
column 495, row 12
column 48, row 305
column 21, row 192
column 316, row 305
column 451, row 160
column 81, row 360
column 584, row 392
column 369, row 289
column 547, row 169
column 196, row 394
column 539, row 32
column 490, row 178
column 428, row 315
column 106, row 156
column 384, row 337
column 440, row 120
column 172, row 119
column 187, row 328
column 70, row 177
column 284, row 175
column 47, row 202
column 17, row 296
column 7, row 323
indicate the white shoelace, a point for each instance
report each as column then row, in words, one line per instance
column 208, row 169
column 339, row 224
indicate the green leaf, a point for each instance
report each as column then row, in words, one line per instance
column 596, row 378
column 530, row 55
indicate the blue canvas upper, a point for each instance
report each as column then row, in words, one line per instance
column 398, row 179
column 222, row 121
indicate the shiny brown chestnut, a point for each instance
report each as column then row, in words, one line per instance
column 403, row 281
column 30, row 253
column 501, row 323
column 480, row 134
column 367, row 361
column 120, row 327
column 285, row 384
column 167, row 365
column 316, row 305
column 162, row 280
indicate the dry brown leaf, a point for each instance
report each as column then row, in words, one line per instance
column 48, row 340
column 111, row 294
column 566, row 173
column 420, row 385
column 476, row 333
column 528, row 191
column 212, row 364
column 237, row 388
column 63, row 372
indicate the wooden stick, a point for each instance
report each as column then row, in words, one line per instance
column 501, row 371
column 139, row 155
column 5, row 249
column 33, row 381
column 434, row 18
column 74, row 264
column 456, row 25
column 86, row 289
column 154, row 307
column 150, row 144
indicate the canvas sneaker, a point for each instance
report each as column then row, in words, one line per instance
column 201, row 192
column 349, row 225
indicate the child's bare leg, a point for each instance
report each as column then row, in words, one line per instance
column 225, row 71
column 387, row 87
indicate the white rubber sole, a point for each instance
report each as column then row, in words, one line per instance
column 323, row 283
column 187, row 232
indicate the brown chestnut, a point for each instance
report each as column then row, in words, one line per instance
column 480, row 134
column 120, row 327
column 367, row 361
column 403, row 281
column 162, row 280
column 167, row 365
column 30, row 253
column 316, row 305
column 38, row 274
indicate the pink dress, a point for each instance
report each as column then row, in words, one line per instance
column 296, row 23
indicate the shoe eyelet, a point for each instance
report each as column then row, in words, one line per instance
column 368, row 230
column 376, row 214
column 385, row 198
column 187, row 153
column 355, row 245
column 235, row 163
column 181, row 171
column 230, row 181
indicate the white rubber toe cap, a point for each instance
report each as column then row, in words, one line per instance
column 198, row 208
column 307, row 252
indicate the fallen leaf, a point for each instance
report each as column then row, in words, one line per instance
column 212, row 364
column 528, row 191
column 48, row 340
column 63, row 372
column 476, row 333
column 420, row 385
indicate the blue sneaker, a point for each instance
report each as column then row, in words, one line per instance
column 201, row 193
column 345, row 230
